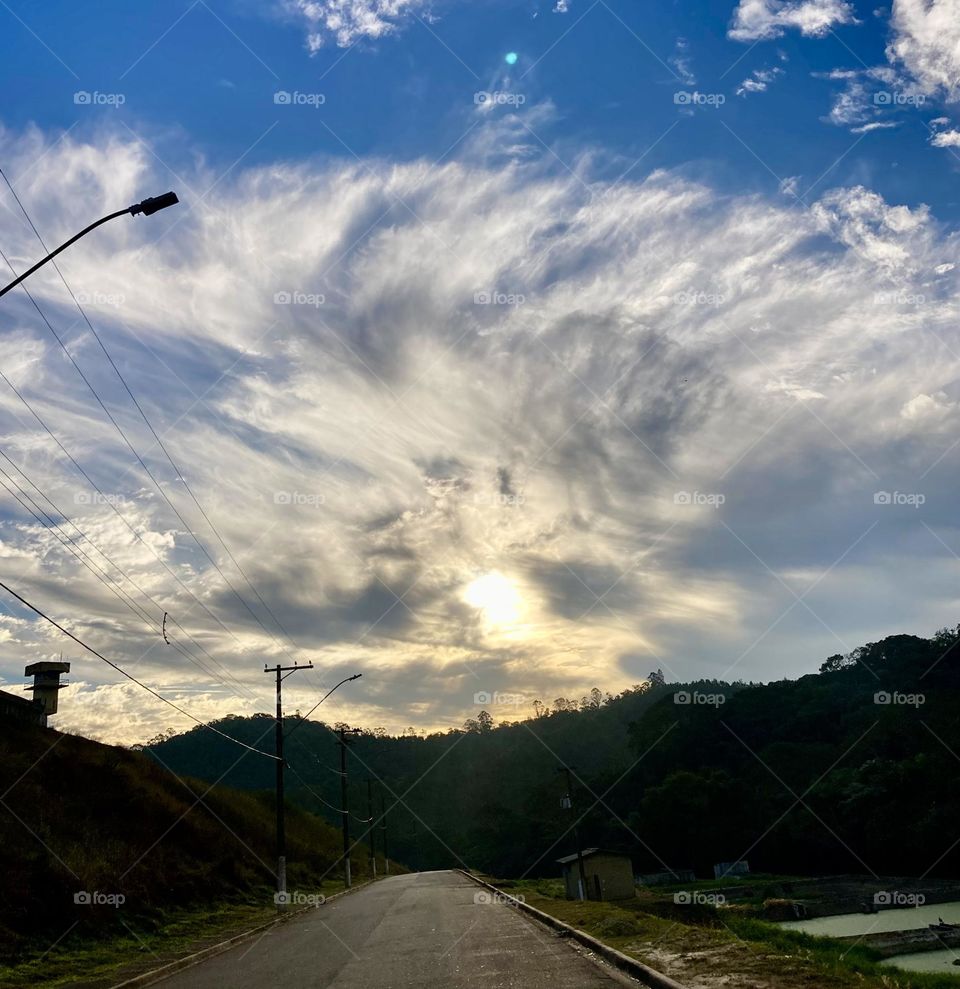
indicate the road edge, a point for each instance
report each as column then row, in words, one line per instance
column 643, row 973
column 188, row 961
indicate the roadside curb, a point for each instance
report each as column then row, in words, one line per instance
column 171, row 968
column 648, row 976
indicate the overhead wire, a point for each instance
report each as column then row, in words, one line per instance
column 129, row 676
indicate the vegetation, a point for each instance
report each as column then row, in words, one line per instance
column 847, row 770
column 79, row 817
column 712, row 947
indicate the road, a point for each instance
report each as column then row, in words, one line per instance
column 425, row 930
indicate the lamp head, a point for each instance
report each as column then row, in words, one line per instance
column 154, row 204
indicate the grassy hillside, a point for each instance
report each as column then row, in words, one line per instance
column 78, row 816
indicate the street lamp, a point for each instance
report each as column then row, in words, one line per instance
column 148, row 207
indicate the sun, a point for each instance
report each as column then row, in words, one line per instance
column 496, row 597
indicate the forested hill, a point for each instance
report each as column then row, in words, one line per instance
column 850, row 769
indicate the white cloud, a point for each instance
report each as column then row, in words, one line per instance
column 946, row 139
column 759, row 81
column 926, row 41
column 682, row 63
column 512, row 369
column 762, row 20
column 876, row 125
column 349, row 21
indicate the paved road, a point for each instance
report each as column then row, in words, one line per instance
column 423, row 930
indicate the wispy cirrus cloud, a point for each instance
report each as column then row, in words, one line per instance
column 345, row 22
column 763, row 20
column 759, row 81
column 473, row 370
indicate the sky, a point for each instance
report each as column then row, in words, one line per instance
column 495, row 350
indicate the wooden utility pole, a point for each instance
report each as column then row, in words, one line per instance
column 371, row 830
column 344, row 805
column 282, row 673
column 568, row 803
column 383, row 828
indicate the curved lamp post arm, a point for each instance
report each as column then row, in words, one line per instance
column 147, row 207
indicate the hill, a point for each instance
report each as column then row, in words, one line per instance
column 849, row 769
column 78, row 817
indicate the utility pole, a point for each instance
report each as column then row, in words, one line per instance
column 345, row 806
column 371, row 830
column 282, row 673
column 567, row 802
column 383, row 828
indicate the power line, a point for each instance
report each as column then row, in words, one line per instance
column 303, row 718
column 46, row 520
column 160, row 443
column 136, row 535
column 238, row 685
column 156, row 436
column 133, row 450
column 129, row 676
column 313, row 792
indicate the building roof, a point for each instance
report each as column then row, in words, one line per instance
column 47, row 666
column 587, row 852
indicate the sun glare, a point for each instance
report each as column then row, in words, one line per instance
column 496, row 596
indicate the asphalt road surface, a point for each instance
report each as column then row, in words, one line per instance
column 425, row 930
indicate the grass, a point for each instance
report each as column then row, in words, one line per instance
column 111, row 958
column 189, row 859
column 722, row 947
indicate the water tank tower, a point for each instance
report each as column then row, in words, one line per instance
column 46, row 683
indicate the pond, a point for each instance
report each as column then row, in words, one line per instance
column 903, row 919
column 908, row 918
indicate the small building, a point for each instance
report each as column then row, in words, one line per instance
column 14, row 708
column 609, row 875
column 732, row 869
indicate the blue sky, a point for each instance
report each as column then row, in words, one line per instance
column 209, row 71
column 492, row 374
